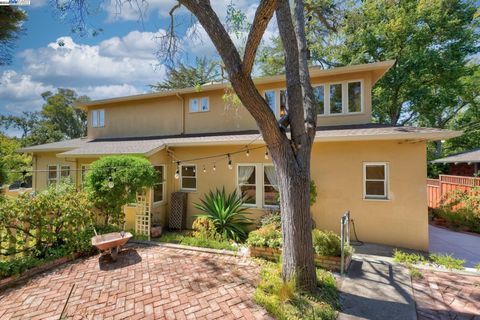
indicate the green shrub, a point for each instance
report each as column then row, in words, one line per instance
column 178, row 238
column 408, row 258
column 227, row 213
column 204, row 228
column 447, row 261
column 281, row 299
column 461, row 209
column 266, row 236
column 327, row 243
column 477, row 266
column 272, row 217
column 130, row 175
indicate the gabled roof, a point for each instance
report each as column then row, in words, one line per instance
column 64, row 145
column 378, row 69
column 472, row 156
column 149, row 145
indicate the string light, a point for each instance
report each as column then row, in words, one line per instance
column 214, row 167
column 266, row 154
column 229, row 162
column 110, row 182
column 204, row 170
column 248, row 153
column 177, row 172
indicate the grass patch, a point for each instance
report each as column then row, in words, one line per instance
column 415, row 273
column 447, row 261
column 281, row 299
column 187, row 240
column 408, row 258
column 477, row 266
column 444, row 260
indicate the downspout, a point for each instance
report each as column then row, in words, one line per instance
column 183, row 112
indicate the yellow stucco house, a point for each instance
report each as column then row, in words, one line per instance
column 376, row 171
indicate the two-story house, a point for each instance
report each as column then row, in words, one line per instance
column 198, row 141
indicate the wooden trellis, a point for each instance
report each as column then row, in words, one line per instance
column 143, row 215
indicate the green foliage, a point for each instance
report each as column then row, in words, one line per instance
column 461, row 209
column 327, row 243
column 11, row 21
column 283, row 301
column 51, row 218
column 408, row 258
column 178, row 238
column 267, row 236
column 205, row 228
column 130, row 175
column 447, row 261
column 184, row 76
column 58, row 119
column 477, row 266
column 415, row 273
column 11, row 160
column 313, row 193
column 227, row 213
column 272, row 217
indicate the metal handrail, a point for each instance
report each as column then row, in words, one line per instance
column 344, row 237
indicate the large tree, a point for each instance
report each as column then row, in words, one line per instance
column 187, row 76
column 11, row 19
column 58, row 119
column 290, row 150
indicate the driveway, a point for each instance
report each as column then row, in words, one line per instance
column 460, row 245
column 145, row 283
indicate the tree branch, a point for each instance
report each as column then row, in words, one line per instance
column 263, row 15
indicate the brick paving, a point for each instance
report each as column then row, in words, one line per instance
column 145, row 283
column 445, row 295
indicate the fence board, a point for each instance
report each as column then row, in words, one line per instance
column 437, row 188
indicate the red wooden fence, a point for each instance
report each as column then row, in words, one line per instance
column 437, row 188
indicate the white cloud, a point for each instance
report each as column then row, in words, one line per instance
column 14, row 86
column 134, row 10
column 129, row 59
column 109, row 91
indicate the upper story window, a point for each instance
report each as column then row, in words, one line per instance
column 355, row 97
column 319, row 94
column 336, row 102
column 98, row 118
column 283, row 102
column 199, row 104
column 375, row 179
column 270, row 97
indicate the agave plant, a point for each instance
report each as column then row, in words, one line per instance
column 227, row 213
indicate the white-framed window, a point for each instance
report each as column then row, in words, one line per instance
column 270, row 186
column 247, row 183
column 98, row 118
column 335, row 98
column 271, row 99
column 57, row 172
column 199, row 104
column 283, row 102
column 159, row 189
column 354, row 97
column 188, row 177
column 319, row 94
column 375, row 180
column 258, row 183
column 83, row 173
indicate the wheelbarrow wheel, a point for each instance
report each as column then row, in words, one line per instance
column 114, row 253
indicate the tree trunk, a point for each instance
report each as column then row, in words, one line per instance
column 297, row 254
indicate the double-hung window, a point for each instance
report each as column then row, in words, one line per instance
column 83, row 173
column 98, row 118
column 247, row 183
column 57, row 173
column 319, row 94
column 270, row 97
column 375, row 176
column 159, row 187
column 188, row 177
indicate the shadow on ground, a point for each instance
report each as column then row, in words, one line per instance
column 126, row 257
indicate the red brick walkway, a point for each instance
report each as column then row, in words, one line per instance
column 442, row 295
column 145, row 283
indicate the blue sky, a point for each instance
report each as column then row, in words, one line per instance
column 120, row 61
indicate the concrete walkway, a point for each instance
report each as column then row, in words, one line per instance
column 376, row 288
column 460, row 245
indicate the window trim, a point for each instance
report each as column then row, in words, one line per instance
column 259, row 185
column 277, row 100
column 199, row 110
column 362, row 109
column 58, row 172
column 181, row 177
column 386, row 181
column 326, row 98
column 164, row 182
column 83, row 173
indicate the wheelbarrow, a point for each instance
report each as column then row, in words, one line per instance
column 111, row 243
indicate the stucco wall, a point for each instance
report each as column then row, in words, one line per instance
column 164, row 116
column 337, row 168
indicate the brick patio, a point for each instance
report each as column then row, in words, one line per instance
column 442, row 295
column 145, row 283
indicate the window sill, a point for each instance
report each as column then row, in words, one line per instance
column 377, row 199
column 340, row 114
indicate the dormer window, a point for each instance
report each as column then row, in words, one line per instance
column 98, row 118
column 319, row 94
column 199, row 104
column 336, row 98
column 271, row 100
column 339, row 98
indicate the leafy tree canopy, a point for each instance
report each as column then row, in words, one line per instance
column 114, row 181
column 10, row 160
column 11, row 19
column 186, row 76
column 58, row 119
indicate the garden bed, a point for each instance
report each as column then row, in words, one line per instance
column 328, row 262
